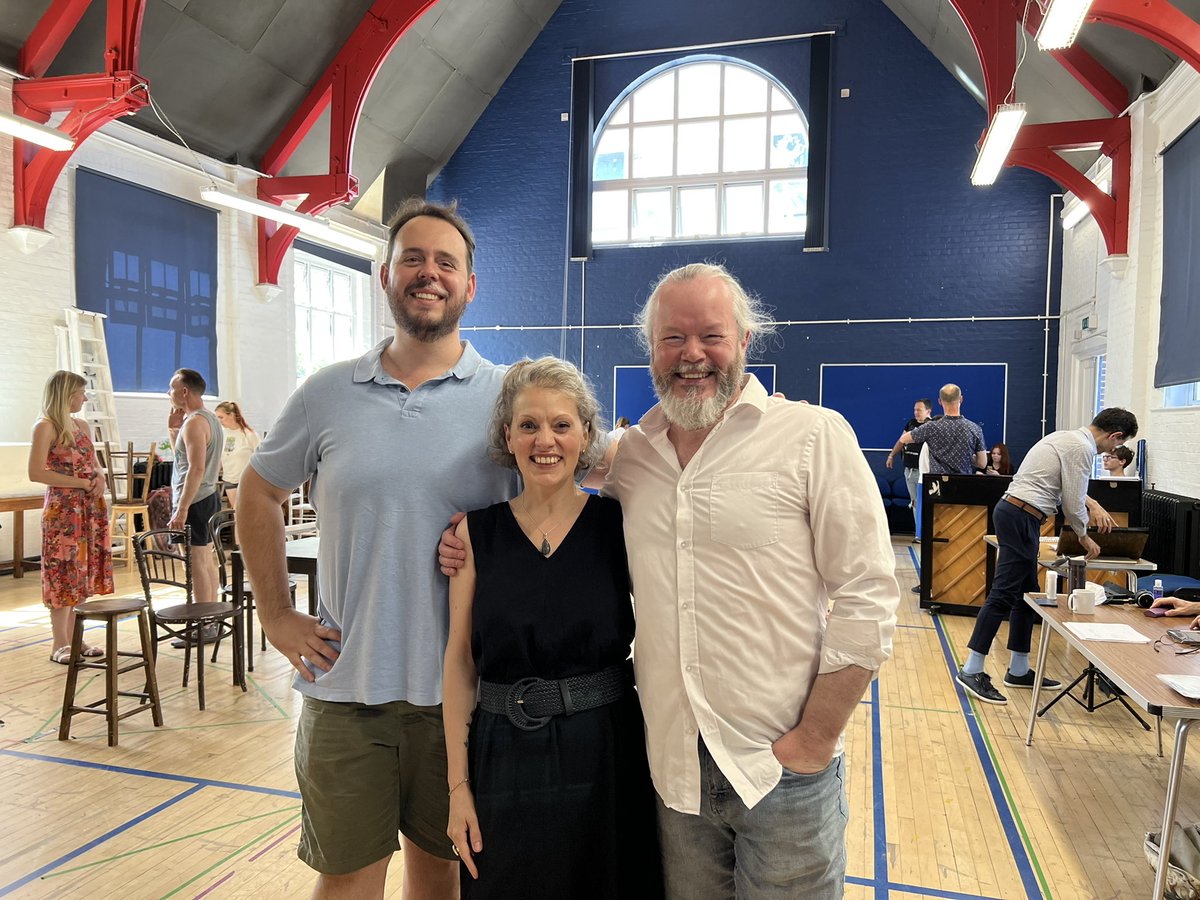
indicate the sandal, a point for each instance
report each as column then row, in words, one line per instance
column 91, row 652
column 62, row 656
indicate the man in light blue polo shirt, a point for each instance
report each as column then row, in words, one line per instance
column 394, row 443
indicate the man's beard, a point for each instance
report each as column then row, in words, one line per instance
column 422, row 327
column 691, row 412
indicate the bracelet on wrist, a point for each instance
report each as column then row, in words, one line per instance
column 457, row 786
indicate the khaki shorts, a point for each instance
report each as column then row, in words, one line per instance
column 366, row 773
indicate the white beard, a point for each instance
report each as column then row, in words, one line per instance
column 693, row 413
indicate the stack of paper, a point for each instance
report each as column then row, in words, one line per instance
column 1103, row 631
column 1188, row 685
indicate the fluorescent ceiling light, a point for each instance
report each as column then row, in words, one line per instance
column 26, row 130
column 997, row 142
column 314, row 226
column 1061, row 23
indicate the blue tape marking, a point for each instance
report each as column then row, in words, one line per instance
column 145, row 773
column 918, row 627
column 50, row 866
column 1020, row 855
column 881, row 854
column 920, row 891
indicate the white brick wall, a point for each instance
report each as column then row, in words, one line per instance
column 255, row 357
column 1129, row 304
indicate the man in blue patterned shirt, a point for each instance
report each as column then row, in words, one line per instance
column 955, row 444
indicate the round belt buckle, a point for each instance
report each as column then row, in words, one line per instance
column 515, row 710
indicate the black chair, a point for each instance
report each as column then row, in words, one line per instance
column 172, row 568
column 222, row 528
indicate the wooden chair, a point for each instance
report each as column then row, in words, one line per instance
column 300, row 516
column 172, row 568
column 109, row 612
column 224, row 537
column 130, row 492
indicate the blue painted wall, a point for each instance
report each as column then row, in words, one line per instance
column 908, row 235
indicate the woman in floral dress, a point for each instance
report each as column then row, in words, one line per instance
column 76, row 554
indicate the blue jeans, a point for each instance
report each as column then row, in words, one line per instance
column 791, row 844
column 912, row 477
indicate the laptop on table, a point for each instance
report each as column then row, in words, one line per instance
column 1124, row 543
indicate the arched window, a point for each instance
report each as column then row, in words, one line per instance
column 699, row 149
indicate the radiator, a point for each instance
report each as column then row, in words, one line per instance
column 1174, row 523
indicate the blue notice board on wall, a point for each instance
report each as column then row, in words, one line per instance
column 633, row 391
column 877, row 399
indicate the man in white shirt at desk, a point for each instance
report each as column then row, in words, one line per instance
column 1055, row 471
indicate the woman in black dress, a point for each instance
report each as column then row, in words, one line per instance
column 550, row 792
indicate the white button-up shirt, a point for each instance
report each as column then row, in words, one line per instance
column 762, row 564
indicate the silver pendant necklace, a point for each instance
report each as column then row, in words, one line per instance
column 545, row 548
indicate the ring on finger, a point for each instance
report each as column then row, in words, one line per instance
column 454, row 847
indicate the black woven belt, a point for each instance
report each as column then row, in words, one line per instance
column 531, row 702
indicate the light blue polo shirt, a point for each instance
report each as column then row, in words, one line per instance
column 389, row 466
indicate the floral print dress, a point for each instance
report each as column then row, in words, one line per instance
column 76, row 552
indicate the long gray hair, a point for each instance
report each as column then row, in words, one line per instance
column 749, row 311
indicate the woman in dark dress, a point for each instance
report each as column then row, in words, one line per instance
column 550, row 792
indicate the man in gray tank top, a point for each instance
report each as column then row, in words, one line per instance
column 196, row 434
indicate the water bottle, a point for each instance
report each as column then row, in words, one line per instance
column 1157, row 589
column 1052, row 584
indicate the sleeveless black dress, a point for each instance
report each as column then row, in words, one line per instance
column 567, row 810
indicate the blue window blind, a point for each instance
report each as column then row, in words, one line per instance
column 1178, row 361
column 148, row 261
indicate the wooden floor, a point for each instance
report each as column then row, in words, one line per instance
column 945, row 799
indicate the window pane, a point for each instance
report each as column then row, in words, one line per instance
column 343, row 297
column 743, row 209
column 318, row 283
column 322, row 339
column 700, row 90
column 745, row 145
column 697, row 150
column 343, row 337
column 779, row 100
column 651, row 214
column 655, row 100
column 789, row 144
column 610, row 216
column 745, row 91
column 612, row 155
column 621, row 116
column 697, row 211
column 652, row 150
column 787, row 208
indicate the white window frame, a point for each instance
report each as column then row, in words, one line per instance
column 1181, row 396
column 361, row 320
column 719, row 180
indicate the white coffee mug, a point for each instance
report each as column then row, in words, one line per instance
column 1082, row 602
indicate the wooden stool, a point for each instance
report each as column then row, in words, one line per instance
column 109, row 612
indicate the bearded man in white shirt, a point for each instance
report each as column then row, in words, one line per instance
column 763, row 578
